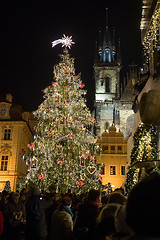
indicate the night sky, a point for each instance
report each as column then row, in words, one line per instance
column 27, row 30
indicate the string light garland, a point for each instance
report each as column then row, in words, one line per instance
column 152, row 35
column 145, row 142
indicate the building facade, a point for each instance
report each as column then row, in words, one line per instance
column 150, row 76
column 113, row 97
column 114, row 157
column 16, row 132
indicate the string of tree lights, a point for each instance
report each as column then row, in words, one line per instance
column 145, row 148
column 152, row 37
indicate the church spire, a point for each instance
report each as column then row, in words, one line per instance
column 113, row 39
column 100, row 40
column 119, row 52
column 106, row 41
column 106, row 48
column 96, row 53
column 106, row 17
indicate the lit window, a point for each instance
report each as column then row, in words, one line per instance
column 112, row 170
column 105, row 148
column 119, row 148
column 122, row 170
column 112, row 147
column 4, row 163
column 7, row 134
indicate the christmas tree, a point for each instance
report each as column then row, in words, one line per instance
column 63, row 154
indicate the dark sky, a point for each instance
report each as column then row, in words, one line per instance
column 27, row 30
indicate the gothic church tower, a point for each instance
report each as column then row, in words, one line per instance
column 111, row 105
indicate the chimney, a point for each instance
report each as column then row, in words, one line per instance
column 9, row 97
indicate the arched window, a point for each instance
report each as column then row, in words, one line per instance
column 107, row 125
column 107, row 84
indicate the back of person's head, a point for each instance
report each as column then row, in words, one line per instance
column 5, row 193
column 116, row 197
column 106, row 221
column 15, row 195
column 142, row 210
column 93, row 195
column 107, row 211
column 66, row 201
column 120, row 220
column 120, row 190
column 35, row 191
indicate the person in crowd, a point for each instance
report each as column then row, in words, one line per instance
column 23, row 198
column 122, row 229
column 85, row 222
column 116, row 197
column 120, row 190
column 142, row 210
column 36, row 227
column 1, row 195
column 15, row 212
column 104, row 198
column 56, row 202
column 1, row 225
column 106, row 221
column 61, row 222
column 3, row 208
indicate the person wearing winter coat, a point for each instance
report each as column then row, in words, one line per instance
column 36, row 226
column 15, row 212
column 61, row 221
column 1, row 225
column 85, row 222
column 106, row 221
column 3, row 208
column 142, row 210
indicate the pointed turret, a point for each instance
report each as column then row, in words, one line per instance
column 96, row 58
column 114, row 39
column 100, row 40
column 107, row 48
column 106, row 40
column 119, row 53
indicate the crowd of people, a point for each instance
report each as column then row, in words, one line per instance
column 35, row 215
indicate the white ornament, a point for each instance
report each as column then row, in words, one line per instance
column 65, row 41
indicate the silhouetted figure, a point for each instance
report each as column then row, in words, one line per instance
column 87, row 214
column 61, row 222
column 36, row 216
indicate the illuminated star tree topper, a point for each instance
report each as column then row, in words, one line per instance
column 65, row 41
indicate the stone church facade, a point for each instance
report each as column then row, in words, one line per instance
column 114, row 97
